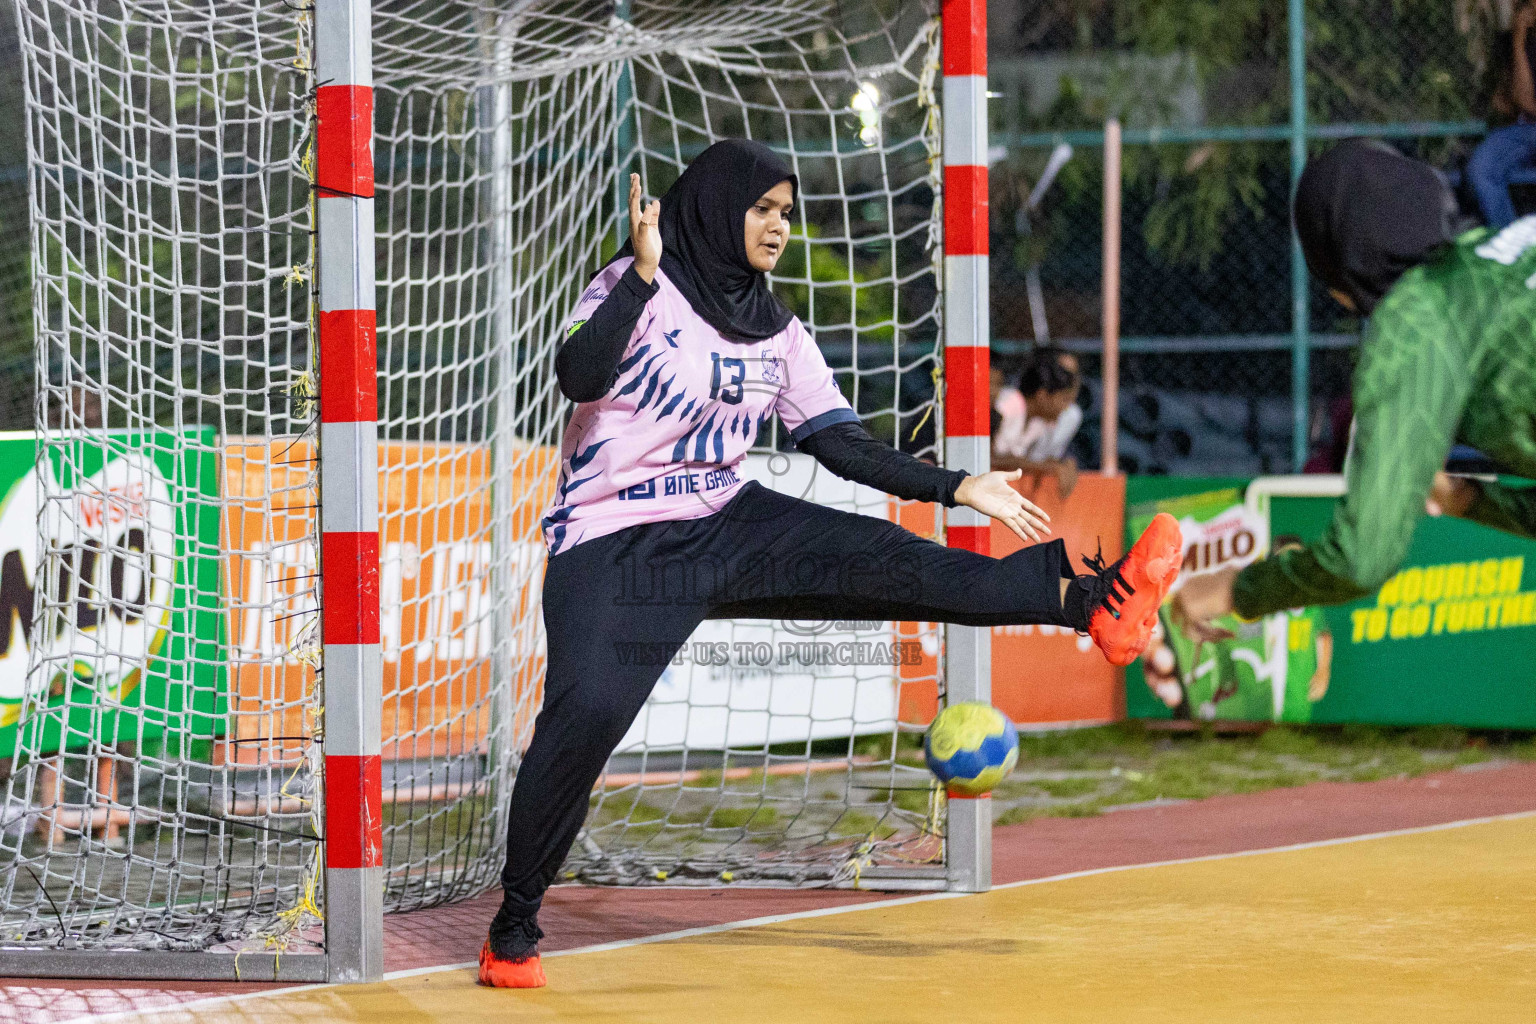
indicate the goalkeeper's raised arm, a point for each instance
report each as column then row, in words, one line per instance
column 1449, row 355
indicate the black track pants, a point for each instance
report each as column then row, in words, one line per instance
column 617, row 608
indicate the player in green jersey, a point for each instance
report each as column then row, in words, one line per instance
column 1449, row 355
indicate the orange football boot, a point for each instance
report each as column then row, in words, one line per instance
column 1131, row 591
column 524, row 972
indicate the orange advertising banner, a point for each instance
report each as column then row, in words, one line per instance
column 1041, row 675
column 438, row 629
column 436, row 624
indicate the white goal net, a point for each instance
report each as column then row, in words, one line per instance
column 160, row 726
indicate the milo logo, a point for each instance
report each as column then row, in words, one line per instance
column 106, row 581
column 1231, row 538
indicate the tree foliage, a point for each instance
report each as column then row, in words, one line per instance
column 1368, row 61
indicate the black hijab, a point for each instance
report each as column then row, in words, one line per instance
column 1366, row 214
column 703, row 244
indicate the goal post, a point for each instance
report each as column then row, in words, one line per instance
column 300, row 273
column 967, row 377
column 352, row 666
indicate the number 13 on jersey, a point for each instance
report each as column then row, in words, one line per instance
column 731, row 390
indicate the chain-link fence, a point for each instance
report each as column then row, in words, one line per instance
column 1205, row 91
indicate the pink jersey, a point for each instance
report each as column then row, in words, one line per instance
column 667, row 440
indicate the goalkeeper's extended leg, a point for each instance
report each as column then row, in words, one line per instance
column 808, row 561
column 617, row 608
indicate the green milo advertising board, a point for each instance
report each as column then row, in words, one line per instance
column 119, row 638
column 1447, row 641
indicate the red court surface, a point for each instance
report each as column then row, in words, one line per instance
column 575, row 917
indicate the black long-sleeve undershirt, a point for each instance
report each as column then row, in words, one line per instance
column 589, row 359
column 849, row 452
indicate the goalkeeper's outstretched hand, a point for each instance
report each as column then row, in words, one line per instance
column 990, row 495
column 644, row 235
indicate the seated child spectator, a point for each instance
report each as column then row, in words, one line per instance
column 1034, row 421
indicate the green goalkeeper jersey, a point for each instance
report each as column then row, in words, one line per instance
column 1449, row 355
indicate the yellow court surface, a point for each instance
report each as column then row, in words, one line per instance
column 1430, row 926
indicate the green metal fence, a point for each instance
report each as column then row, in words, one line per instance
column 1231, row 361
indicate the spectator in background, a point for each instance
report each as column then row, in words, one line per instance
column 1510, row 147
column 1034, row 422
column 79, row 408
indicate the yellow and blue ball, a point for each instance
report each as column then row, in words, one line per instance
column 971, row 747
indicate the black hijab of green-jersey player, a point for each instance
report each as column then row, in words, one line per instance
column 703, row 238
column 1366, row 215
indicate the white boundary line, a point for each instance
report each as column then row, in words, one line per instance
column 804, row 915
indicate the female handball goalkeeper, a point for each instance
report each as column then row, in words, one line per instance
column 677, row 355
column 1449, row 355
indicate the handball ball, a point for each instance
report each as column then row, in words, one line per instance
column 971, row 747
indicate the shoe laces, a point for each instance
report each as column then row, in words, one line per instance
column 1107, row 586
